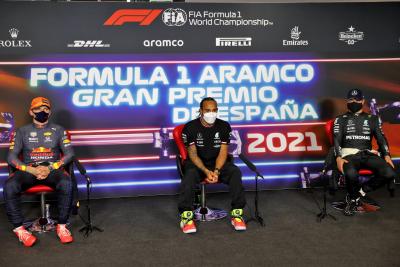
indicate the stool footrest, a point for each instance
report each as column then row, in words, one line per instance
column 37, row 225
column 211, row 215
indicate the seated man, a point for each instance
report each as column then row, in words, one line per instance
column 40, row 145
column 353, row 132
column 207, row 139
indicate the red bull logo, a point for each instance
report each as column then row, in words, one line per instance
column 41, row 150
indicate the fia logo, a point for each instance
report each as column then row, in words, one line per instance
column 174, row 17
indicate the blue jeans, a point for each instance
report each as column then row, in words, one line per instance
column 20, row 181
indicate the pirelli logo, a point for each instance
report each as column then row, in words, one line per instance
column 233, row 41
column 144, row 17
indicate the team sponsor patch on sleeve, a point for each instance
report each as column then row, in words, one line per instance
column 66, row 141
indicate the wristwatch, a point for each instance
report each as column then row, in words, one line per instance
column 217, row 169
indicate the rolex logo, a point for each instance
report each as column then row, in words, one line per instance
column 14, row 42
column 14, row 33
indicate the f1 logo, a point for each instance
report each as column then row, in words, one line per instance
column 143, row 16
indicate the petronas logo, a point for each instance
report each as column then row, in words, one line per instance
column 14, row 33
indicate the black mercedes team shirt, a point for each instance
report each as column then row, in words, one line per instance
column 356, row 131
column 208, row 140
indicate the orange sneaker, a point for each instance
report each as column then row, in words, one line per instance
column 237, row 220
column 64, row 234
column 24, row 236
column 187, row 223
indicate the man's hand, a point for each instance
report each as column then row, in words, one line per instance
column 211, row 178
column 340, row 162
column 389, row 161
column 43, row 172
column 32, row 170
column 216, row 172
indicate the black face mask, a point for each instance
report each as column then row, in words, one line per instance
column 354, row 106
column 41, row 116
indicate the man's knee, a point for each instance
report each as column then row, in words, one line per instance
column 235, row 174
column 64, row 184
column 387, row 173
column 191, row 175
column 351, row 175
column 11, row 187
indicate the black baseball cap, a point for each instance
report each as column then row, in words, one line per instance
column 356, row 94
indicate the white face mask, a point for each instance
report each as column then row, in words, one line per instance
column 210, row 117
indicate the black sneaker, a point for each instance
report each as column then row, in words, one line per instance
column 351, row 206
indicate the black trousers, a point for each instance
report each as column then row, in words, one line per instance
column 383, row 172
column 20, row 181
column 230, row 174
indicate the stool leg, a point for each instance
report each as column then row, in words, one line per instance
column 43, row 205
column 43, row 220
column 204, row 213
column 203, row 202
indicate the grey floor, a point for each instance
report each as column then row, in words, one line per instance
column 144, row 232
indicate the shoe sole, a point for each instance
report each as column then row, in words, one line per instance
column 191, row 231
column 66, row 242
column 31, row 245
column 239, row 228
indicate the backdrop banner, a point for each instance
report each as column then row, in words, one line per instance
column 121, row 76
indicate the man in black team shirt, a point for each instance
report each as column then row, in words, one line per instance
column 40, row 145
column 353, row 132
column 207, row 139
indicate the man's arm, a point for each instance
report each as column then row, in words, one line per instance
column 222, row 156
column 15, row 149
column 223, row 151
column 337, row 143
column 192, row 152
column 66, row 148
column 380, row 136
column 337, row 137
column 211, row 176
column 381, row 140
